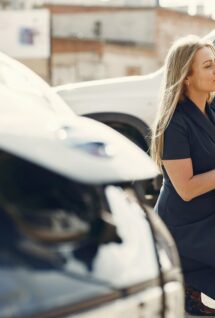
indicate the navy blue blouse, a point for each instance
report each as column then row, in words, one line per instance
column 191, row 134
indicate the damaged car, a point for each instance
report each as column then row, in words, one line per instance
column 77, row 237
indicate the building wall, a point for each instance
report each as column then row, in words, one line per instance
column 136, row 26
column 132, row 41
column 123, row 61
column 74, row 61
column 172, row 24
column 41, row 66
column 99, row 3
column 124, row 45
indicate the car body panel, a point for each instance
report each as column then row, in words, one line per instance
column 136, row 96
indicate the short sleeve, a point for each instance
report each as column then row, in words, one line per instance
column 176, row 141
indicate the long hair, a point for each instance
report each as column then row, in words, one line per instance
column 177, row 67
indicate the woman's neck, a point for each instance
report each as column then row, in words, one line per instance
column 199, row 100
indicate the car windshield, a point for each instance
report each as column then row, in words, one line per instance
column 24, row 83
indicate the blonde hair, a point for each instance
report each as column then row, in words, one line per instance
column 177, row 66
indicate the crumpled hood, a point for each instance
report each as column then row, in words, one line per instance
column 80, row 148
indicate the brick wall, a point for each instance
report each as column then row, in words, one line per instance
column 172, row 25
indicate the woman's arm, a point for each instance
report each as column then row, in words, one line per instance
column 188, row 186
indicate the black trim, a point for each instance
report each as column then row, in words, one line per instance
column 64, row 311
column 94, row 303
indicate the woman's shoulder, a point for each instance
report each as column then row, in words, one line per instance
column 178, row 118
column 176, row 137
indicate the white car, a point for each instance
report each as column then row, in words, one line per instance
column 127, row 104
column 76, row 238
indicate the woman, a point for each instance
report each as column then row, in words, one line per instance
column 183, row 146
